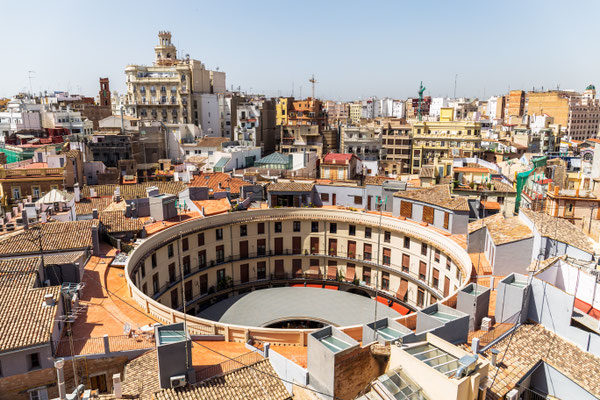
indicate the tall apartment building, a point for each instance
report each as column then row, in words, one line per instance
column 396, row 145
column 584, row 115
column 355, row 112
column 412, row 107
column 443, row 140
column 301, row 112
column 174, row 90
column 255, row 123
column 515, row 105
column 337, row 112
column 554, row 103
column 364, row 141
column 495, row 107
column 300, row 138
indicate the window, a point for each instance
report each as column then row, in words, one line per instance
column 220, row 275
column 406, row 242
column 387, row 256
column 261, row 247
column 277, row 227
column 202, row 259
column 314, row 226
column 219, row 233
column 220, row 250
column 324, row 196
column 172, row 274
column 16, row 193
column 297, row 226
column 203, row 284
column 143, row 270
column 153, row 258
column 174, row 299
column 201, row 239
column 35, row 191
column 260, row 228
column 243, row 230
column 385, row 280
column 34, row 361
column 436, row 256
column 367, row 251
column 424, row 249
column 358, row 200
column 332, row 227
column 405, row 263
column 185, row 244
column 40, row 393
column 448, row 263
column 261, row 270
column 387, row 236
column 352, row 230
column 422, row 270
column 186, row 265
column 188, row 290
column 170, row 250
column 436, row 278
column 367, row 233
column 367, row 275
column 420, row 297
column 332, row 247
column 155, row 283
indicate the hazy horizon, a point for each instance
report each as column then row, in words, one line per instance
column 354, row 51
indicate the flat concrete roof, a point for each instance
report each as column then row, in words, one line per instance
column 266, row 306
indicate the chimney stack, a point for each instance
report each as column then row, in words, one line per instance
column 95, row 213
column 118, row 391
column 62, row 390
column 495, row 353
column 77, row 193
column 475, row 345
column 556, row 189
column 49, row 300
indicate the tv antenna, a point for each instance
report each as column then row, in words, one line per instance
column 30, row 86
column 313, row 81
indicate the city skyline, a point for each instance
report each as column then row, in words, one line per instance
column 352, row 51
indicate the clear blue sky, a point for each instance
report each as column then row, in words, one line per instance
column 354, row 48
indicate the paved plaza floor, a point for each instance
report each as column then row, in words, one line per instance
column 266, row 306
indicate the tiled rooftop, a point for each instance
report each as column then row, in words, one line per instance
column 56, row 236
column 559, row 229
column 213, row 207
column 533, row 343
column 85, row 206
column 213, row 180
column 24, row 319
column 131, row 192
column 438, row 195
column 290, row 187
column 115, row 222
column 508, row 230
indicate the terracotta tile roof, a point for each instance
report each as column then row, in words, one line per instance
column 211, row 142
column 377, row 180
column 500, row 186
column 476, row 225
column 508, row 230
column 73, row 153
column 258, row 382
column 115, row 222
column 559, row 229
column 533, row 343
column 24, row 320
column 427, row 171
column 63, row 258
column 337, row 158
column 290, row 187
column 213, row 207
column 213, row 180
column 490, row 205
column 85, row 206
column 56, row 236
column 472, row 169
column 438, row 195
column 250, row 383
column 131, row 192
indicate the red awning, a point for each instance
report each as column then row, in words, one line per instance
column 587, row 308
column 331, row 287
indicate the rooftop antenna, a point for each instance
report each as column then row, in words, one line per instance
column 292, row 88
column 455, row 78
column 313, row 81
column 300, row 91
column 30, row 87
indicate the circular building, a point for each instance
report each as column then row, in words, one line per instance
column 252, row 273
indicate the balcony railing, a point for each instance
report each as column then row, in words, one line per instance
column 347, row 256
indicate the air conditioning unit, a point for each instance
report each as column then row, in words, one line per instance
column 178, row 381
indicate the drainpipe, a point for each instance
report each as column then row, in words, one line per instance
column 59, row 364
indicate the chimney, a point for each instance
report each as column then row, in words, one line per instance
column 556, row 189
column 95, row 213
column 49, row 300
column 62, row 390
column 117, row 196
column 128, row 210
column 44, row 217
column 77, row 193
column 92, row 192
column 25, row 219
column 475, row 345
column 95, row 241
column 495, row 353
column 117, row 389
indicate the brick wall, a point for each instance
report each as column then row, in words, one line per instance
column 15, row 387
column 355, row 370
